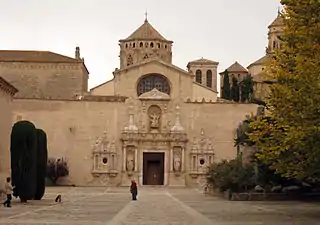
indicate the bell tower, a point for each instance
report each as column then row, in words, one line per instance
column 275, row 31
column 144, row 44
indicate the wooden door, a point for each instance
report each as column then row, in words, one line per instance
column 154, row 169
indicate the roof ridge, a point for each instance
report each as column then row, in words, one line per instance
column 35, row 56
column 145, row 32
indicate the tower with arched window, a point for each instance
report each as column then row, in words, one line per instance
column 143, row 44
column 275, row 31
column 205, row 72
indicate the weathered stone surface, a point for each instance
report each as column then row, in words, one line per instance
column 155, row 206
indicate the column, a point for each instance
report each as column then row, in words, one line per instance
column 136, row 159
column 182, row 156
column 124, row 161
column 171, row 159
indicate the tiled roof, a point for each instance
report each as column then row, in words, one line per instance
column 34, row 56
column 203, row 61
column 237, row 67
column 277, row 22
column 262, row 61
column 146, row 32
column 7, row 87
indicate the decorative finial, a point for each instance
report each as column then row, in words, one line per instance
column 146, row 16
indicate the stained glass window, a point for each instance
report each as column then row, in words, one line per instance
column 151, row 81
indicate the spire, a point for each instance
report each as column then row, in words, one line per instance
column 146, row 16
column 177, row 127
column 131, row 127
column 279, row 11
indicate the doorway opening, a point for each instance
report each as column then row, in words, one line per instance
column 153, row 168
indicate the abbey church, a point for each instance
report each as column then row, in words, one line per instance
column 153, row 122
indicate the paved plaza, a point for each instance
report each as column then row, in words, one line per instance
column 155, row 206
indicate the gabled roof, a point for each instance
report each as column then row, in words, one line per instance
column 145, row 32
column 203, row 86
column 34, row 56
column 262, row 61
column 277, row 22
column 154, row 60
column 203, row 61
column 237, row 67
column 6, row 86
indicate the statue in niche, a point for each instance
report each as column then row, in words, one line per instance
column 154, row 120
column 154, row 113
column 130, row 161
column 177, row 164
column 177, row 159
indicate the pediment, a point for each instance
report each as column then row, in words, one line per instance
column 154, row 94
column 152, row 61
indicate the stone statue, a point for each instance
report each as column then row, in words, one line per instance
column 130, row 164
column 177, row 164
column 154, row 120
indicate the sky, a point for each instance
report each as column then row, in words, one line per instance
column 221, row 30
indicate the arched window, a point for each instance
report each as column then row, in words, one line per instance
column 151, row 81
column 129, row 60
column 141, row 44
column 209, row 78
column 199, row 76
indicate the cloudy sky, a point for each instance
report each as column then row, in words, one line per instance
column 220, row 30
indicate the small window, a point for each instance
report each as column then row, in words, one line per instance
column 209, row 78
column 199, row 76
column 134, row 45
column 141, row 44
column 126, row 45
column 129, row 60
column 159, row 45
column 151, row 45
column 105, row 160
column 165, row 46
column 202, row 161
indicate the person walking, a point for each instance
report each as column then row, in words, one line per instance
column 134, row 190
column 8, row 191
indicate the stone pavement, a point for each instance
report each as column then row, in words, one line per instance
column 155, row 206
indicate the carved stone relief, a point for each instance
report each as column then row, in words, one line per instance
column 154, row 113
column 130, row 161
column 104, row 156
column 201, row 154
column 177, row 159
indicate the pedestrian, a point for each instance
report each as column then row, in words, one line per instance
column 8, row 191
column 134, row 190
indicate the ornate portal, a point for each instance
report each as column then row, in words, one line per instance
column 104, row 157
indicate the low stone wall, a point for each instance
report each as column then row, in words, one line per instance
column 252, row 196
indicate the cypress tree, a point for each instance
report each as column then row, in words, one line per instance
column 234, row 93
column 226, row 85
column 23, row 151
column 42, row 158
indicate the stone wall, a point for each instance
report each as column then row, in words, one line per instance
column 46, row 80
column 73, row 128
column 5, row 130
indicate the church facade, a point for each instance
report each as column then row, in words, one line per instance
column 153, row 122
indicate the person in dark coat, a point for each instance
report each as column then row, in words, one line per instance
column 134, row 190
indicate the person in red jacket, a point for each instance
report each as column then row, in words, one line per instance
column 134, row 190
